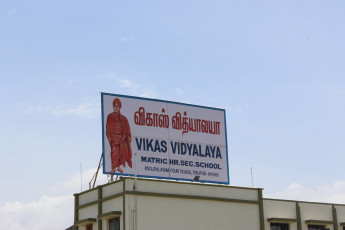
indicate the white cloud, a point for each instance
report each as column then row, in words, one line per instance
column 50, row 211
column 137, row 89
column 329, row 193
column 73, row 184
column 148, row 92
column 12, row 12
column 129, row 38
column 125, row 83
column 46, row 213
column 131, row 87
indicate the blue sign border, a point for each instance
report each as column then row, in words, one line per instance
column 172, row 102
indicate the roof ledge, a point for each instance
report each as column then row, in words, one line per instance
column 109, row 215
column 281, row 220
column 86, row 221
column 324, row 222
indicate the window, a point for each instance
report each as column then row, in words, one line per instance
column 89, row 227
column 316, row 227
column 279, row 226
column 114, row 223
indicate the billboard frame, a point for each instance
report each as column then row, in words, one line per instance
column 171, row 102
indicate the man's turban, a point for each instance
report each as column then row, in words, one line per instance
column 117, row 101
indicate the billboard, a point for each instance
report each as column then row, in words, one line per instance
column 163, row 139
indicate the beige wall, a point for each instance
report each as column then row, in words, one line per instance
column 340, row 214
column 112, row 189
column 309, row 211
column 156, row 213
column 194, row 189
column 88, row 212
column 160, row 212
column 280, row 209
column 173, row 205
column 312, row 211
column 87, row 197
column 115, row 204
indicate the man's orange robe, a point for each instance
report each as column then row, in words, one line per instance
column 119, row 135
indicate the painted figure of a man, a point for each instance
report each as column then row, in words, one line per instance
column 119, row 136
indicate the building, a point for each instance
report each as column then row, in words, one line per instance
column 149, row 204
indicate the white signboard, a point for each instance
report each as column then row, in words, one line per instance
column 163, row 139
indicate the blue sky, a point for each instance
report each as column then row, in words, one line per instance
column 277, row 67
